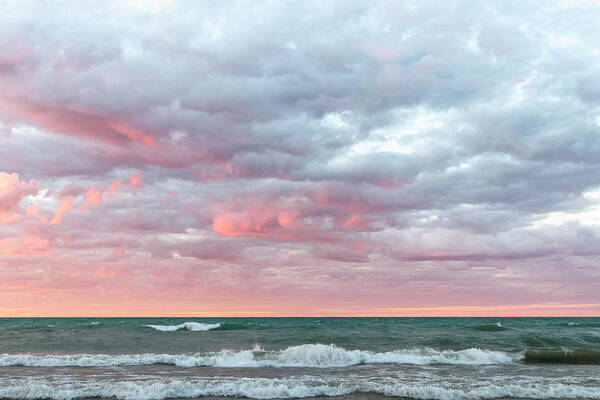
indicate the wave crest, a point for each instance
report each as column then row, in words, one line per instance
column 285, row 388
column 306, row 355
column 190, row 326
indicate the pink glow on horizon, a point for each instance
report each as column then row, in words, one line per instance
column 124, row 307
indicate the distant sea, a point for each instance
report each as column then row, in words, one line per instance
column 287, row 358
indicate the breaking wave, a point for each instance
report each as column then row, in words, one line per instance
column 307, row 355
column 286, row 388
column 190, row 326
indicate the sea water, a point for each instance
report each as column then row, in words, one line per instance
column 282, row 358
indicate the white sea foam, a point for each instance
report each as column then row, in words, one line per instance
column 307, row 355
column 295, row 387
column 190, row 326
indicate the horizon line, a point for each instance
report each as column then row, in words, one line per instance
column 310, row 316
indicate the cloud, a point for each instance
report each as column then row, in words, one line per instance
column 135, row 181
column 448, row 149
column 113, row 188
column 93, row 196
column 34, row 211
column 66, row 205
column 96, row 195
column 12, row 191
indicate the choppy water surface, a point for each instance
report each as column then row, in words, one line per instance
column 264, row 358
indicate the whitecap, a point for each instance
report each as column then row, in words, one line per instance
column 306, row 355
column 190, row 326
column 285, row 388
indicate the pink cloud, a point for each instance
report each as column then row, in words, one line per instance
column 12, row 191
column 25, row 245
column 135, row 181
column 87, row 124
column 288, row 219
column 34, row 211
column 134, row 134
column 257, row 219
column 358, row 222
column 66, row 205
column 118, row 253
column 93, row 196
column 96, row 195
column 113, row 188
column 274, row 223
column 62, row 121
column 237, row 224
column 109, row 273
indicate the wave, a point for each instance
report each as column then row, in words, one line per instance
column 190, row 326
column 286, row 388
column 307, row 355
column 563, row 356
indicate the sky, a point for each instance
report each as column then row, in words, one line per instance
column 283, row 158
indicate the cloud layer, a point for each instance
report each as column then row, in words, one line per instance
column 316, row 158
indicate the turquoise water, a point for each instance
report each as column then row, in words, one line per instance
column 429, row 358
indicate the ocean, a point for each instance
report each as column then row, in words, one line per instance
column 288, row 358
